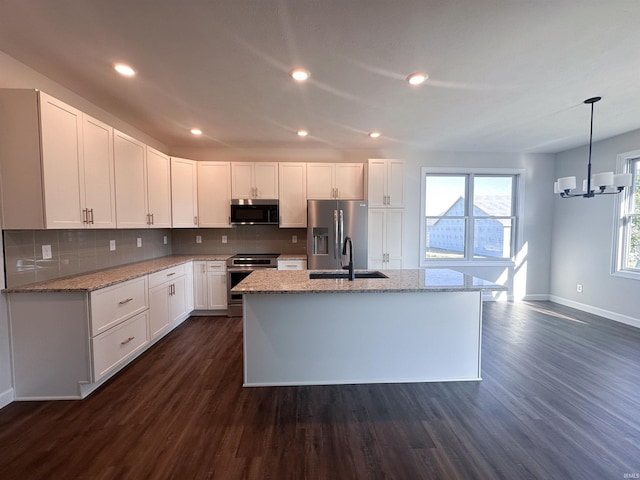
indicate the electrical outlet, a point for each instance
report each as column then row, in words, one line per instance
column 165, row 240
column 579, row 288
column 112, row 245
column 294, row 239
column 198, row 238
column 139, row 242
column 224, row 239
column 46, row 252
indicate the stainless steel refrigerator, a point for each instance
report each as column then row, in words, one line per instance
column 329, row 222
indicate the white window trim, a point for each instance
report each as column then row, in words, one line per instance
column 617, row 270
column 518, row 241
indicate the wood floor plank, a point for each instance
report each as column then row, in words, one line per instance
column 560, row 398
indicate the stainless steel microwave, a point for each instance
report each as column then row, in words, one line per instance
column 254, row 212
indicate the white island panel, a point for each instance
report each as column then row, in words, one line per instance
column 338, row 338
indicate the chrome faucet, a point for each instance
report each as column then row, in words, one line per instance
column 352, row 273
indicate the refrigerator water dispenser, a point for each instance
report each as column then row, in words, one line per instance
column 320, row 240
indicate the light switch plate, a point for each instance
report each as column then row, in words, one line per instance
column 224, row 239
column 294, row 239
column 112, row 245
column 198, row 238
column 139, row 242
column 46, row 252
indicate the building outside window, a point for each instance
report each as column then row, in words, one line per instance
column 628, row 252
column 469, row 217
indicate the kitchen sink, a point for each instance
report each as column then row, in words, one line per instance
column 330, row 275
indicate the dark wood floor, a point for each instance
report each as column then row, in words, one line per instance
column 560, row 399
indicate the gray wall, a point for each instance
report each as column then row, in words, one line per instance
column 583, row 235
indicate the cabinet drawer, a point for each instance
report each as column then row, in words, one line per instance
column 292, row 264
column 112, row 305
column 216, row 266
column 162, row 276
column 113, row 348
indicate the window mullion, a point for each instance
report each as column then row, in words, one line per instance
column 470, row 220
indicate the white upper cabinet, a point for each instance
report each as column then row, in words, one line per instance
column 385, row 183
column 184, row 193
column 158, row 189
column 214, row 194
column 254, row 180
column 131, row 181
column 327, row 181
column 293, row 195
column 56, row 164
column 98, row 173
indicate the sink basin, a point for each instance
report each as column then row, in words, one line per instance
column 361, row 274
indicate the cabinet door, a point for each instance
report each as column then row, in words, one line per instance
column 159, row 189
column 349, row 181
column 241, row 180
column 265, row 180
column 320, row 179
column 178, row 300
column 200, row 288
column 217, row 283
column 184, row 193
column 214, row 194
column 376, row 238
column 131, row 181
column 159, row 314
column 293, row 195
column 394, row 227
column 395, row 183
column 61, row 160
column 97, row 173
column 376, row 183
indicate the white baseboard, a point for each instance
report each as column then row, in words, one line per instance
column 539, row 297
column 616, row 317
column 6, row 397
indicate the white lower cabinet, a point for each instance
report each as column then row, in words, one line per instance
column 210, row 285
column 66, row 344
column 292, row 264
column 167, row 300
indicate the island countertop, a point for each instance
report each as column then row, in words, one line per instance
column 416, row 280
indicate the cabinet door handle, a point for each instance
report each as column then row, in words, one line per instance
column 124, row 302
column 91, row 216
column 195, row 220
column 84, row 215
column 124, row 342
column 148, row 219
column 152, row 220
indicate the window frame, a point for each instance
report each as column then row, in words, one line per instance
column 622, row 215
column 468, row 258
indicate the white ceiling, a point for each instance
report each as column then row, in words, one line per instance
column 505, row 75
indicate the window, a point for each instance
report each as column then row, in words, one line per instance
column 629, row 223
column 468, row 217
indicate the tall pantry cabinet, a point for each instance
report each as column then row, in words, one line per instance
column 56, row 164
column 385, row 194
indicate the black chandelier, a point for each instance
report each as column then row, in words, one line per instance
column 605, row 183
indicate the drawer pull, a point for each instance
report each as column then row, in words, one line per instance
column 169, row 274
column 123, row 302
column 127, row 340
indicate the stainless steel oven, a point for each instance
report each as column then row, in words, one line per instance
column 240, row 267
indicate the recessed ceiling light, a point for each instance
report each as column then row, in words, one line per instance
column 300, row 74
column 302, row 133
column 374, row 134
column 196, row 131
column 417, row 78
column 125, row 70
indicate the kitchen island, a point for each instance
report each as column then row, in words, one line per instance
column 422, row 325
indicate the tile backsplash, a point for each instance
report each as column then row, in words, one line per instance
column 76, row 251
column 81, row 251
column 240, row 239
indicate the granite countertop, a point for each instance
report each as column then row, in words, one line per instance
column 418, row 280
column 95, row 280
